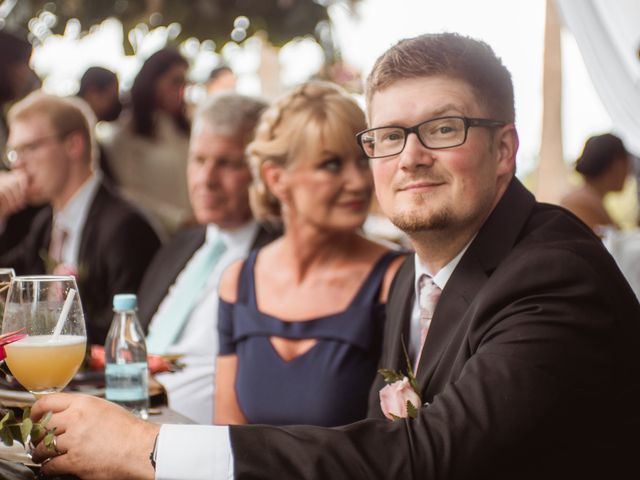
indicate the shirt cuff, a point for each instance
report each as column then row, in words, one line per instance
column 197, row 452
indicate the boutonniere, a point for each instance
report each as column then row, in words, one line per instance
column 52, row 267
column 401, row 397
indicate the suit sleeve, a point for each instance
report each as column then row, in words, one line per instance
column 543, row 348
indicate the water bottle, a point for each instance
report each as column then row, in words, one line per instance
column 126, row 371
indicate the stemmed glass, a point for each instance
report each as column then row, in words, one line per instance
column 6, row 274
column 47, row 309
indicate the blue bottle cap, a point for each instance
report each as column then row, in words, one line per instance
column 125, row 301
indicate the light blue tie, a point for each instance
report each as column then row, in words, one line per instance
column 167, row 326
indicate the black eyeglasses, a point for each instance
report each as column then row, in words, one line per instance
column 435, row 134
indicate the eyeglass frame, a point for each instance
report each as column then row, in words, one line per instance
column 32, row 146
column 468, row 123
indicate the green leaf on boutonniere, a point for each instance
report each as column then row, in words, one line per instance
column 412, row 411
column 410, row 374
column 390, row 376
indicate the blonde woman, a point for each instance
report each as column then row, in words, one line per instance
column 301, row 320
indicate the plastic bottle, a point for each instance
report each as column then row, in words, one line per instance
column 126, row 370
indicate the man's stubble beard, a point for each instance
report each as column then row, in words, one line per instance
column 413, row 222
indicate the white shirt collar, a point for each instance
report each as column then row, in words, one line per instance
column 442, row 276
column 237, row 236
column 72, row 216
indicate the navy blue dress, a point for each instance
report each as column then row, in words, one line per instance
column 329, row 384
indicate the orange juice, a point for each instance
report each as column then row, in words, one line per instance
column 42, row 364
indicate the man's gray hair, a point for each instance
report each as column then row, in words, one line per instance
column 230, row 114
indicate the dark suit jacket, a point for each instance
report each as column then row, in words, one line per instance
column 17, row 228
column 531, row 369
column 116, row 246
column 171, row 260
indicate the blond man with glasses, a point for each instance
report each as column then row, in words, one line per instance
column 87, row 229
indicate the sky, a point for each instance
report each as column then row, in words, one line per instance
column 514, row 29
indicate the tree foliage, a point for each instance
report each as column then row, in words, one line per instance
column 283, row 20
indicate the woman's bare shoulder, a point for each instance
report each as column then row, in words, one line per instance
column 228, row 288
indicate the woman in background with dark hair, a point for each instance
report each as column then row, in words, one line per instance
column 148, row 149
column 604, row 165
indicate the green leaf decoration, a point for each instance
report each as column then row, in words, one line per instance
column 48, row 439
column 390, row 376
column 14, row 430
column 37, row 431
column 414, row 384
column 410, row 373
column 411, row 410
column 45, row 419
column 6, row 436
column 6, row 418
column 25, row 429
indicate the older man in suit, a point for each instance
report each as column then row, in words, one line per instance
column 178, row 295
column 87, row 229
column 524, row 333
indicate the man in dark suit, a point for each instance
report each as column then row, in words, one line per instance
column 87, row 229
column 181, row 310
column 526, row 341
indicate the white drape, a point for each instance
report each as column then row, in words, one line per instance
column 608, row 35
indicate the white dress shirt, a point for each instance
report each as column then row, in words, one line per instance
column 190, row 390
column 205, row 453
column 73, row 216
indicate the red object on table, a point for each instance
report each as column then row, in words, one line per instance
column 8, row 338
column 156, row 363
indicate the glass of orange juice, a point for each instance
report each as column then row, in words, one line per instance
column 48, row 311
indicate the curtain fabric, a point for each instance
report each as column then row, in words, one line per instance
column 608, row 36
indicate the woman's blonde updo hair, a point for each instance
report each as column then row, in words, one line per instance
column 314, row 115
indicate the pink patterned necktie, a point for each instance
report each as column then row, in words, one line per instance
column 58, row 237
column 429, row 294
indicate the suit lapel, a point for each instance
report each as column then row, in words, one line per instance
column 399, row 309
column 492, row 243
column 165, row 272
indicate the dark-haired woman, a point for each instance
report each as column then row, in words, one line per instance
column 604, row 165
column 148, row 149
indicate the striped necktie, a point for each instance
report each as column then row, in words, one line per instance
column 429, row 294
column 56, row 245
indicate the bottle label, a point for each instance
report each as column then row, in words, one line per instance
column 126, row 382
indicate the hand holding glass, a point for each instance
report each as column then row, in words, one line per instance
column 48, row 310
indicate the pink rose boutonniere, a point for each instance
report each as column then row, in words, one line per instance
column 401, row 398
column 65, row 269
